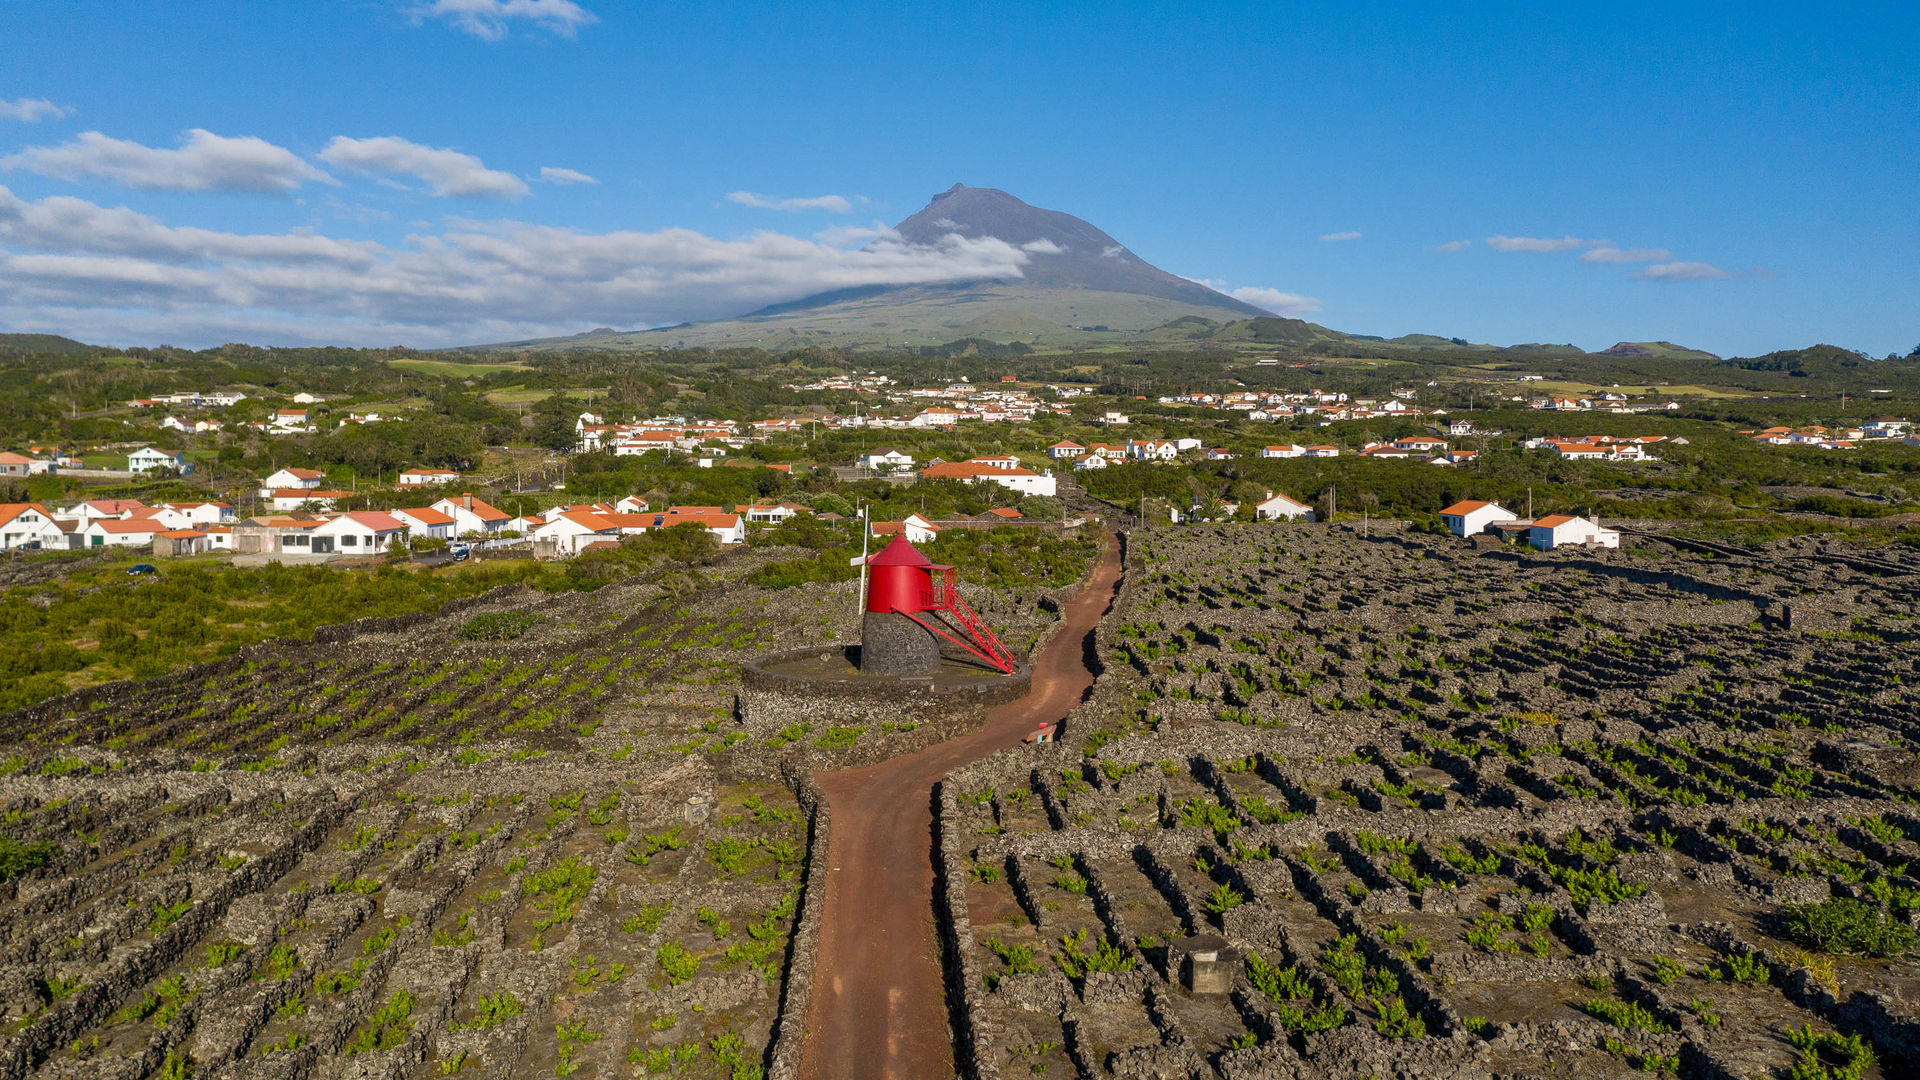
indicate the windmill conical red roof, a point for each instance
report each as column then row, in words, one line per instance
column 899, row 553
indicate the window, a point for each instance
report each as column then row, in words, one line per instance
column 349, row 540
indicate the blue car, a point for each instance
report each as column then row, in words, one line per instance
column 142, row 568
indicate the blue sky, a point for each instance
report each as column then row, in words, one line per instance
column 1738, row 177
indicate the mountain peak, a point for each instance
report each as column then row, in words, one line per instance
column 1063, row 251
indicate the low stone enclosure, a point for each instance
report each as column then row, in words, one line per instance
column 397, row 852
column 1459, row 813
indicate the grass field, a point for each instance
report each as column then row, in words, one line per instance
column 454, row 370
column 520, row 395
column 1552, row 386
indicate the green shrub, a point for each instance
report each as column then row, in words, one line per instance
column 385, row 1029
column 678, row 964
column 1841, row 925
column 17, row 858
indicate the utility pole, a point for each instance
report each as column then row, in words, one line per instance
column 1529, row 504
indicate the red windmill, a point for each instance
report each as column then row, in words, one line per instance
column 912, row 604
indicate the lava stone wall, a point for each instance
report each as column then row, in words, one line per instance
column 892, row 644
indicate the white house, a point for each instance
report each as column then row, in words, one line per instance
column 1095, row 461
column 116, row 532
column 632, row 504
column 1321, row 451
column 286, row 421
column 1277, row 507
column 471, row 515
column 1560, row 530
column 304, row 398
column 574, row 529
column 418, row 477
column 1471, row 516
column 1153, row 450
column 174, row 423
column 885, row 460
column 1065, row 449
column 918, row 530
column 776, row 513
column 203, row 513
column 1284, row 450
column 103, row 508
column 726, row 528
column 425, row 521
column 359, row 532
column 1024, row 481
column 291, row 477
column 282, row 500
column 147, row 459
column 23, row 524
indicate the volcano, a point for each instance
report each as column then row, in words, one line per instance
column 1075, row 284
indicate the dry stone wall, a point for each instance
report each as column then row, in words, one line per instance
column 1468, row 813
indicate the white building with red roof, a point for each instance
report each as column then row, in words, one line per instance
column 1563, row 530
column 358, row 532
column 1471, row 517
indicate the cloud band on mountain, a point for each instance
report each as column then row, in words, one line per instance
column 68, row 265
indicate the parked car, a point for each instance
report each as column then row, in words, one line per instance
column 459, row 552
column 142, row 568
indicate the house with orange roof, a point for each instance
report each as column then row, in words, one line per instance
column 25, row 525
column 1564, row 530
column 571, row 530
column 1276, row 507
column 285, row 499
column 419, row 477
column 916, row 529
column 471, row 515
column 291, row 477
column 1471, row 517
column 425, row 522
column 979, row 471
column 358, row 532
column 120, row 532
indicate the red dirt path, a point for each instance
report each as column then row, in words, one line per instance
column 879, row 1002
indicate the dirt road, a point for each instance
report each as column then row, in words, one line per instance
column 879, row 1006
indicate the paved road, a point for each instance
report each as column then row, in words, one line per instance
column 879, row 1004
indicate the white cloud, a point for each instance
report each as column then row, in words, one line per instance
column 1455, row 245
column 1042, row 246
column 1280, row 303
column 833, row 204
column 490, row 19
column 1531, row 243
column 1681, row 271
column 1610, row 254
column 1333, row 237
column 449, row 173
column 204, row 162
column 31, row 110
column 551, row 175
column 113, row 274
column 947, row 223
column 1114, row 251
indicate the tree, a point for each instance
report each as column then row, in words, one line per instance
column 553, row 420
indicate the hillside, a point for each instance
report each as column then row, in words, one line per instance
column 41, row 343
column 1655, row 350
